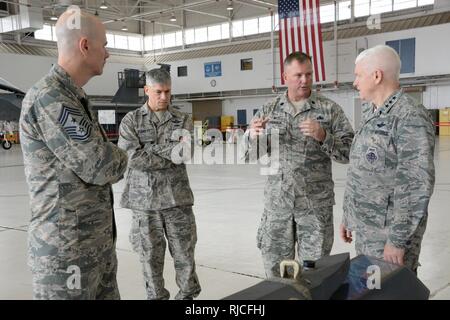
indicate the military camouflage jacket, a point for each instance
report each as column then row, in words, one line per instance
column 154, row 182
column 391, row 174
column 304, row 179
column 69, row 167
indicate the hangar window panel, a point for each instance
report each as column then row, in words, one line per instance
column 44, row 34
column 362, row 8
column 110, row 40
column 169, row 40
column 255, row 111
column 201, row 34
column 276, row 22
column 121, row 42
column 225, row 30
column 214, row 33
column 265, row 24
column 179, row 38
column 148, row 43
column 157, row 42
column 425, row 2
column 404, row 4
column 380, row 6
column 54, row 38
column 134, row 43
column 8, row 23
column 406, row 49
column 182, row 71
column 238, row 29
column 189, row 36
column 345, row 10
column 15, row 23
column 5, row 24
column 327, row 13
column 250, row 26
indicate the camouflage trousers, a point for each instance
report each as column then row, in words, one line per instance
column 148, row 235
column 97, row 282
column 371, row 241
column 280, row 231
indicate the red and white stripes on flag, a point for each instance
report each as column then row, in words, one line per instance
column 299, row 30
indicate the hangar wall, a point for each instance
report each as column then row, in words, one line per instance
column 431, row 59
column 24, row 70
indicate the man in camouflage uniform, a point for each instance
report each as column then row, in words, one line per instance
column 299, row 199
column 158, row 190
column 391, row 175
column 70, row 166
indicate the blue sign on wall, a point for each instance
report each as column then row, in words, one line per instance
column 406, row 49
column 213, row 69
column 242, row 116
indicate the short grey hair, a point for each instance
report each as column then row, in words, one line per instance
column 382, row 57
column 157, row 76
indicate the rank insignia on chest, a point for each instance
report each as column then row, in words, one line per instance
column 75, row 123
column 381, row 124
column 320, row 117
column 372, row 155
column 177, row 124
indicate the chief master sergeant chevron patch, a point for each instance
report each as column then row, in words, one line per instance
column 75, row 123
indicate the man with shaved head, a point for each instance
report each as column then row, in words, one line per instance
column 70, row 166
column 391, row 178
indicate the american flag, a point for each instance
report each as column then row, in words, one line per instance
column 300, row 31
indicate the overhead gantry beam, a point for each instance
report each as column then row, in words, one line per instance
column 166, row 10
column 207, row 14
column 258, row 4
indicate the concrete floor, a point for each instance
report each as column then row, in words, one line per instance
column 228, row 206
